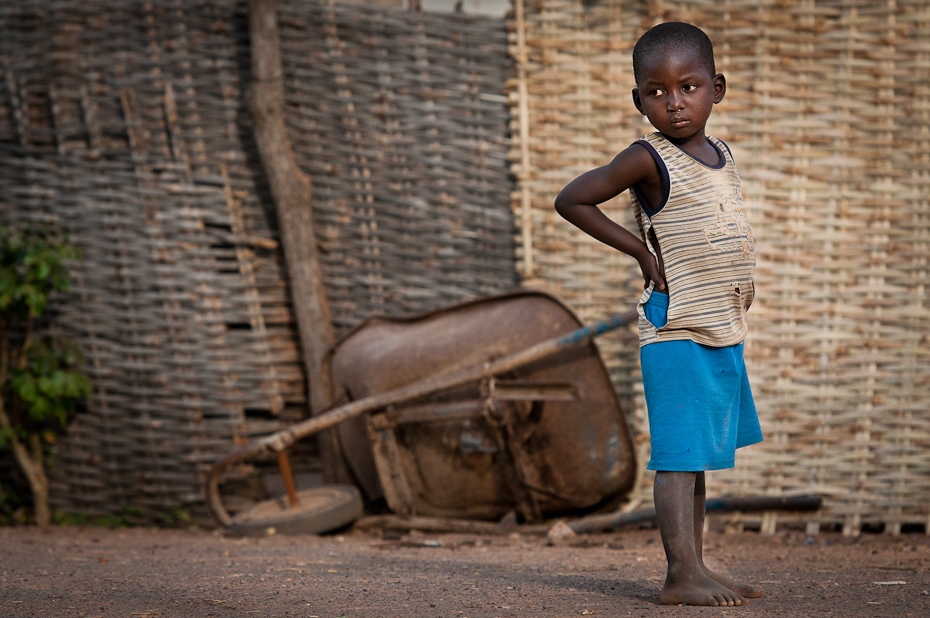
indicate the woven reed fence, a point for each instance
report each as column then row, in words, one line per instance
column 828, row 115
column 125, row 124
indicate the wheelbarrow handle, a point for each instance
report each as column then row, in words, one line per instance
column 281, row 440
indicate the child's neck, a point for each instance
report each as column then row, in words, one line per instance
column 698, row 146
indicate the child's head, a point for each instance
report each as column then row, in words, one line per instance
column 673, row 36
column 676, row 81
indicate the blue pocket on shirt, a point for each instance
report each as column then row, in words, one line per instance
column 656, row 309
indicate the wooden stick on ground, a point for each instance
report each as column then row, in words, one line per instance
column 591, row 523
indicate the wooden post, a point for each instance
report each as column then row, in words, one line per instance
column 290, row 190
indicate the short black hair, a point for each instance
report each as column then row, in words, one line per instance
column 673, row 35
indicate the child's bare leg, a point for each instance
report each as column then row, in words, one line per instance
column 700, row 506
column 686, row 582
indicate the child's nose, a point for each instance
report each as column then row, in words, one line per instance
column 674, row 103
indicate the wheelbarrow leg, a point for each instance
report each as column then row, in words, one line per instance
column 388, row 459
column 284, row 466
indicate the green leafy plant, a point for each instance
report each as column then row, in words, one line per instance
column 39, row 381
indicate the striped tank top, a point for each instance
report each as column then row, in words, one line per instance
column 705, row 243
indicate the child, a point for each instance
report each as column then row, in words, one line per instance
column 697, row 257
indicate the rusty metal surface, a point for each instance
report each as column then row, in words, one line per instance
column 416, row 391
column 544, row 438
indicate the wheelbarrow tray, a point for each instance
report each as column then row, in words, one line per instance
column 548, row 437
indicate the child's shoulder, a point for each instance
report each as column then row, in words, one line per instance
column 638, row 157
column 648, row 150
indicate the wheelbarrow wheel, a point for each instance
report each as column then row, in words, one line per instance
column 321, row 509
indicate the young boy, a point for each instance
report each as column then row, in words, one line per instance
column 697, row 257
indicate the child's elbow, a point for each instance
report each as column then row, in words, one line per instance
column 562, row 205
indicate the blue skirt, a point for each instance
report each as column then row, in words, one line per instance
column 698, row 399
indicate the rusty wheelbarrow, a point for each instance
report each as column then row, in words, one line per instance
column 495, row 405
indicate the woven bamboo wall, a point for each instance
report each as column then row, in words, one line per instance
column 125, row 124
column 408, row 152
column 828, row 115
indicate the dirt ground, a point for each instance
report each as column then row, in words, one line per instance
column 149, row 573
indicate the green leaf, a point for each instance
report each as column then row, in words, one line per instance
column 32, row 297
column 43, row 269
column 25, row 386
column 41, row 408
column 52, row 385
column 75, row 385
column 60, row 279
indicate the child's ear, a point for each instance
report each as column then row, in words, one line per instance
column 720, row 87
column 638, row 103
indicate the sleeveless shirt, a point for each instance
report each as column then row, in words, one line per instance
column 706, row 246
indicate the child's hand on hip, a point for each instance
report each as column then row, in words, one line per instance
column 651, row 272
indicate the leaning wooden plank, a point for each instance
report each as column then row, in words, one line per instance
column 290, row 190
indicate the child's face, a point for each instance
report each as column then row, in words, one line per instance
column 677, row 93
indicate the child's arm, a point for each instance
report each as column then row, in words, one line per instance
column 578, row 201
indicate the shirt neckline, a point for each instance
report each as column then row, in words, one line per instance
column 722, row 160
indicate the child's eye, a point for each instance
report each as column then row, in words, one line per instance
column 690, row 88
column 657, row 92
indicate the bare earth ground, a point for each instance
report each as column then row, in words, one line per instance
column 148, row 573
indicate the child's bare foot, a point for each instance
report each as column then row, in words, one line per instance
column 742, row 590
column 699, row 590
